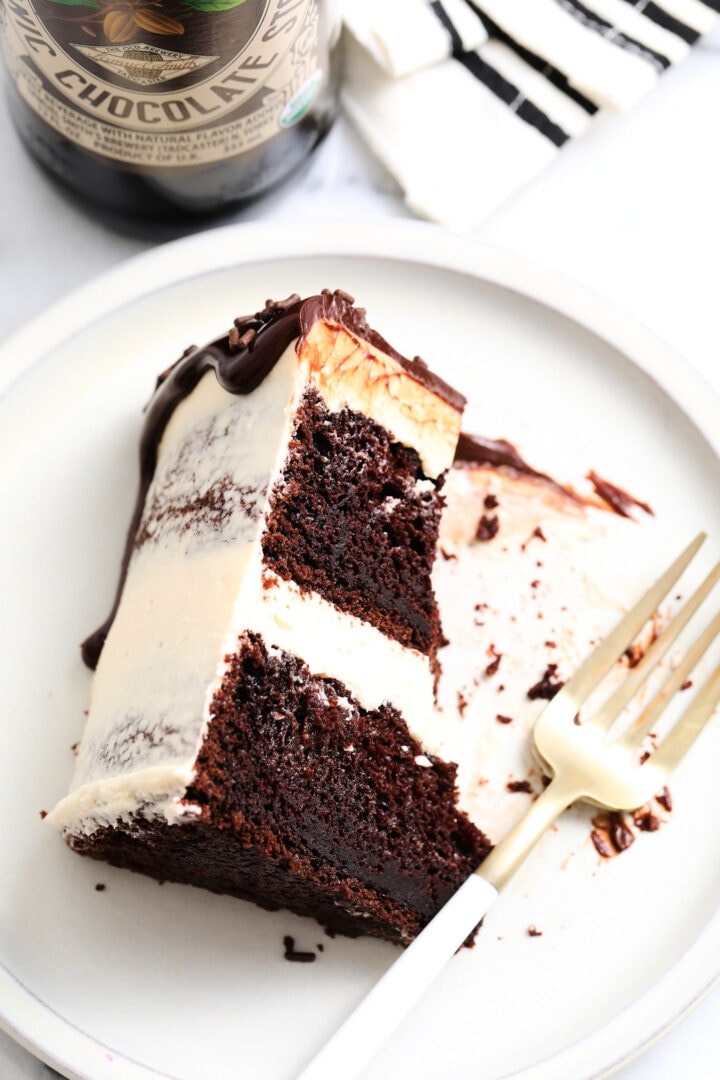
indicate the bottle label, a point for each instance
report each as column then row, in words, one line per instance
column 156, row 84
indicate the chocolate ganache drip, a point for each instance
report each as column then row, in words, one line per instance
column 479, row 450
column 499, row 453
column 621, row 501
column 241, row 360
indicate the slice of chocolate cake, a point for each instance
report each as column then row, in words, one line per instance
column 262, row 709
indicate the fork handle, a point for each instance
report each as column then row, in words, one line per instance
column 516, row 845
column 369, row 1027
column 377, row 1016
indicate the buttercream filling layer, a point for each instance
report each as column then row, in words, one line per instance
column 144, row 760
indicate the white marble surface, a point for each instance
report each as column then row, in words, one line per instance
column 631, row 211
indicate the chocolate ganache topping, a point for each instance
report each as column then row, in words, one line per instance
column 241, row 360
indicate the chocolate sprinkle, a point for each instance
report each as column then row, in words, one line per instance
column 297, row 956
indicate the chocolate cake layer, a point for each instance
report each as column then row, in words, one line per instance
column 353, row 518
column 329, row 793
column 229, row 863
column 310, row 803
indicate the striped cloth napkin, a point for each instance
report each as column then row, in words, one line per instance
column 465, row 102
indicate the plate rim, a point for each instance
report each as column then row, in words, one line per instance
column 651, row 1015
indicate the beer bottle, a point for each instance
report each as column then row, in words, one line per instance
column 153, row 110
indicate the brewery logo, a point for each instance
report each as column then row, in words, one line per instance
column 143, row 64
column 122, row 21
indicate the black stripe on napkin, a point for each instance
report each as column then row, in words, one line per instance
column 663, row 18
column 510, row 94
column 600, row 26
column 558, row 80
column 714, row 4
column 455, row 40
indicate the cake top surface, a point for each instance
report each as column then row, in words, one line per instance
column 244, row 356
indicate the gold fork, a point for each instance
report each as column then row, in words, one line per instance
column 586, row 764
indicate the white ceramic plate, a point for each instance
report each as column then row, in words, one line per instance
column 145, row 981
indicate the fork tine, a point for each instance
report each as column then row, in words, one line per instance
column 586, row 678
column 611, row 709
column 644, row 724
column 678, row 741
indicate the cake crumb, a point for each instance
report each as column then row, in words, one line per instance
column 645, row 820
column 519, row 785
column 100, row 887
column 43, row 814
column 488, row 527
column 621, row 834
column 634, row 654
column 602, row 845
column 297, row 956
column 664, row 798
column 503, row 719
column 548, row 686
column 533, row 931
column 611, row 834
column 536, row 534
column 494, row 664
column 447, row 555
